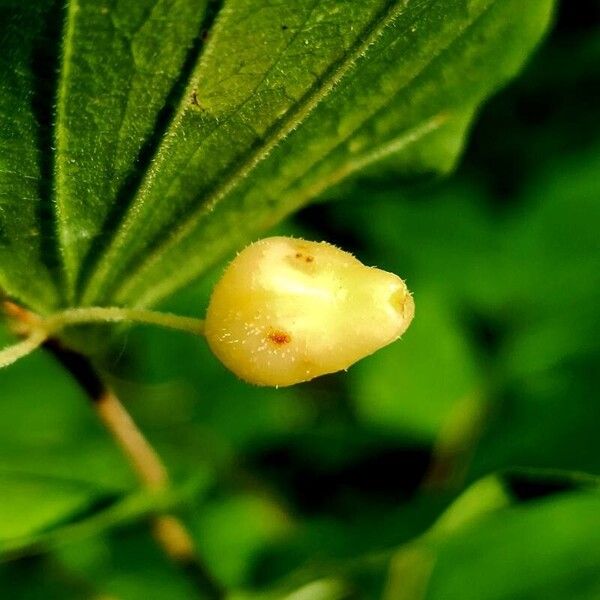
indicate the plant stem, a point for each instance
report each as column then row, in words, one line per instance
column 143, row 458
column 36, row 329
column 169, row 531
column 95, row 314
column 13, row 353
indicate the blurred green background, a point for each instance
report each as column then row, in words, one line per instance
column 460, row 463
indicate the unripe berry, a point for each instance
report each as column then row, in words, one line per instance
column 287, row 310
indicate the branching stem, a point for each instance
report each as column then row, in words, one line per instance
column 36, row 329
column 169, row 531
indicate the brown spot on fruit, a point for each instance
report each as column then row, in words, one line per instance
column 278, row 337
column 305, row 257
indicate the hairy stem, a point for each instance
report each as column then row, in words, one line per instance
column 169, row 531
column 35, row 329
column 113, row 314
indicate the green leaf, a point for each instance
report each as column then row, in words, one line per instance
column 41, row 535
column 25, row 227
column 482, row 547
column 281, row 103
column 119, row 63
column 239, row 156
column 48, row 428
column 548, row 549
column 411, row 567
column 284, row 102
column 231, row 552
column 32, row 503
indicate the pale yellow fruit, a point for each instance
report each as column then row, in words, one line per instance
column 287, row 310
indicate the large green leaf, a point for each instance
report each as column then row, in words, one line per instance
column 281, row 102
column 324, row 92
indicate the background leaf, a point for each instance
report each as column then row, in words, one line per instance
column 22, row 513
column 394, row 390
column 482, row 547
column 518, row 555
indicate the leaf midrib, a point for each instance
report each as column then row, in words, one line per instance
column 67, row 275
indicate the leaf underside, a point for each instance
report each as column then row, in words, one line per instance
column 142, row 141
